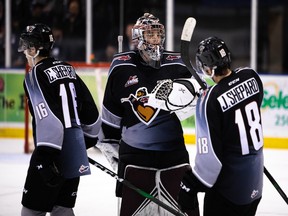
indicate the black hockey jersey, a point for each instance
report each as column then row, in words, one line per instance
column 229, row 137
column 63, row 112
column 126, row 115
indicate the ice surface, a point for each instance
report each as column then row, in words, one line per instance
column 96, row 194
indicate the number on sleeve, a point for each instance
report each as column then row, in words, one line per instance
column 41, row 110
column 202, row 145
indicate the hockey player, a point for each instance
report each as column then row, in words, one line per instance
column 152, row 153
column 229, row 160
column 64, row 116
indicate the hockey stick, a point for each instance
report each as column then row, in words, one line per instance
column 186, row 36
column 276, row 185
column 138, row 190
column 120, row 43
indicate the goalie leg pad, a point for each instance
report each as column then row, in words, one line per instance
column 163, row 184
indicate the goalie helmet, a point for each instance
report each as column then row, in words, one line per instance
column 148, row 34
column 38, row 36
column 214, row 54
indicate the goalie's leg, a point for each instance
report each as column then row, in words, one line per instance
column 163, row 184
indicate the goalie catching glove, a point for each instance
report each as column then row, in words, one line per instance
column 110, row 149
column 179, row 96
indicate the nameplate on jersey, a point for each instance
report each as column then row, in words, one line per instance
column 60, row 72
column 238, row 93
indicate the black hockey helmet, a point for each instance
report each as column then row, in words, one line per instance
column 213, row 53
column 39, row 36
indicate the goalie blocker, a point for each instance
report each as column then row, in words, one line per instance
column 179, row 96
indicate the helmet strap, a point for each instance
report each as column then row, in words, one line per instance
column 32, row 57
column 212, row 71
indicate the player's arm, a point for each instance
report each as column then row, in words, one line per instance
column 172, row 95
column 208, row 160
column 110, row 132
column 109, row 138
column 47, row 131
column 89, row 115
column 179, row 96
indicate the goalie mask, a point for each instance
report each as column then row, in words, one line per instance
column 212, row 54
column 149, row 35
column 38, row 36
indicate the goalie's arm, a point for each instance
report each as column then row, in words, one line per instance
column 176, row 96
column 184, row 92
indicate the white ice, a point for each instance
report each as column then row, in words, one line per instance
column 96, row 194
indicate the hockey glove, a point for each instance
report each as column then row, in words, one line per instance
column 174, row 95
column 48, row 166
column 110, row 149
column 90, row 141
column 187, row 197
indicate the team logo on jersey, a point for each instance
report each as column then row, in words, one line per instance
column 123, row 58
column 131, row 81
column 83, row 169
column 172, row 57
column 254, row 193
column 144, row 112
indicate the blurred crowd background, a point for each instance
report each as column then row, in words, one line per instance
column 229, row 20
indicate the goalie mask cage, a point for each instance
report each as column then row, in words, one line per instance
column 94, row 76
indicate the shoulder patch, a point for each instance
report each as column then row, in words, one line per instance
column 172, row 58
column 125, row 58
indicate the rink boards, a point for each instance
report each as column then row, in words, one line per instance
column 12, row 109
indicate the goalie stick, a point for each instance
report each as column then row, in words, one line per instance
column 186, row 36
column 138, row 190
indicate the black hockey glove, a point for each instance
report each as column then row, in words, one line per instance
column 90, row 141
column 187, row 197
column 46, row 162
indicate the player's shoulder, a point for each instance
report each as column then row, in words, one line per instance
column 246, row 73
column 123, row 59
column 170, row 57
column 242, row 70
column 50, row 63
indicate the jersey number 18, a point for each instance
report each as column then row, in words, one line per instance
column 255, row 131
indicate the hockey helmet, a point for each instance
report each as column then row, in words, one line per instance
column 146, row 28
column 214, row 54
column 38, row 36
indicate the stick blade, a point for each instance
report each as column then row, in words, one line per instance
column 188, row 29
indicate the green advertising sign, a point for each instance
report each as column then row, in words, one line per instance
column 11, row 97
